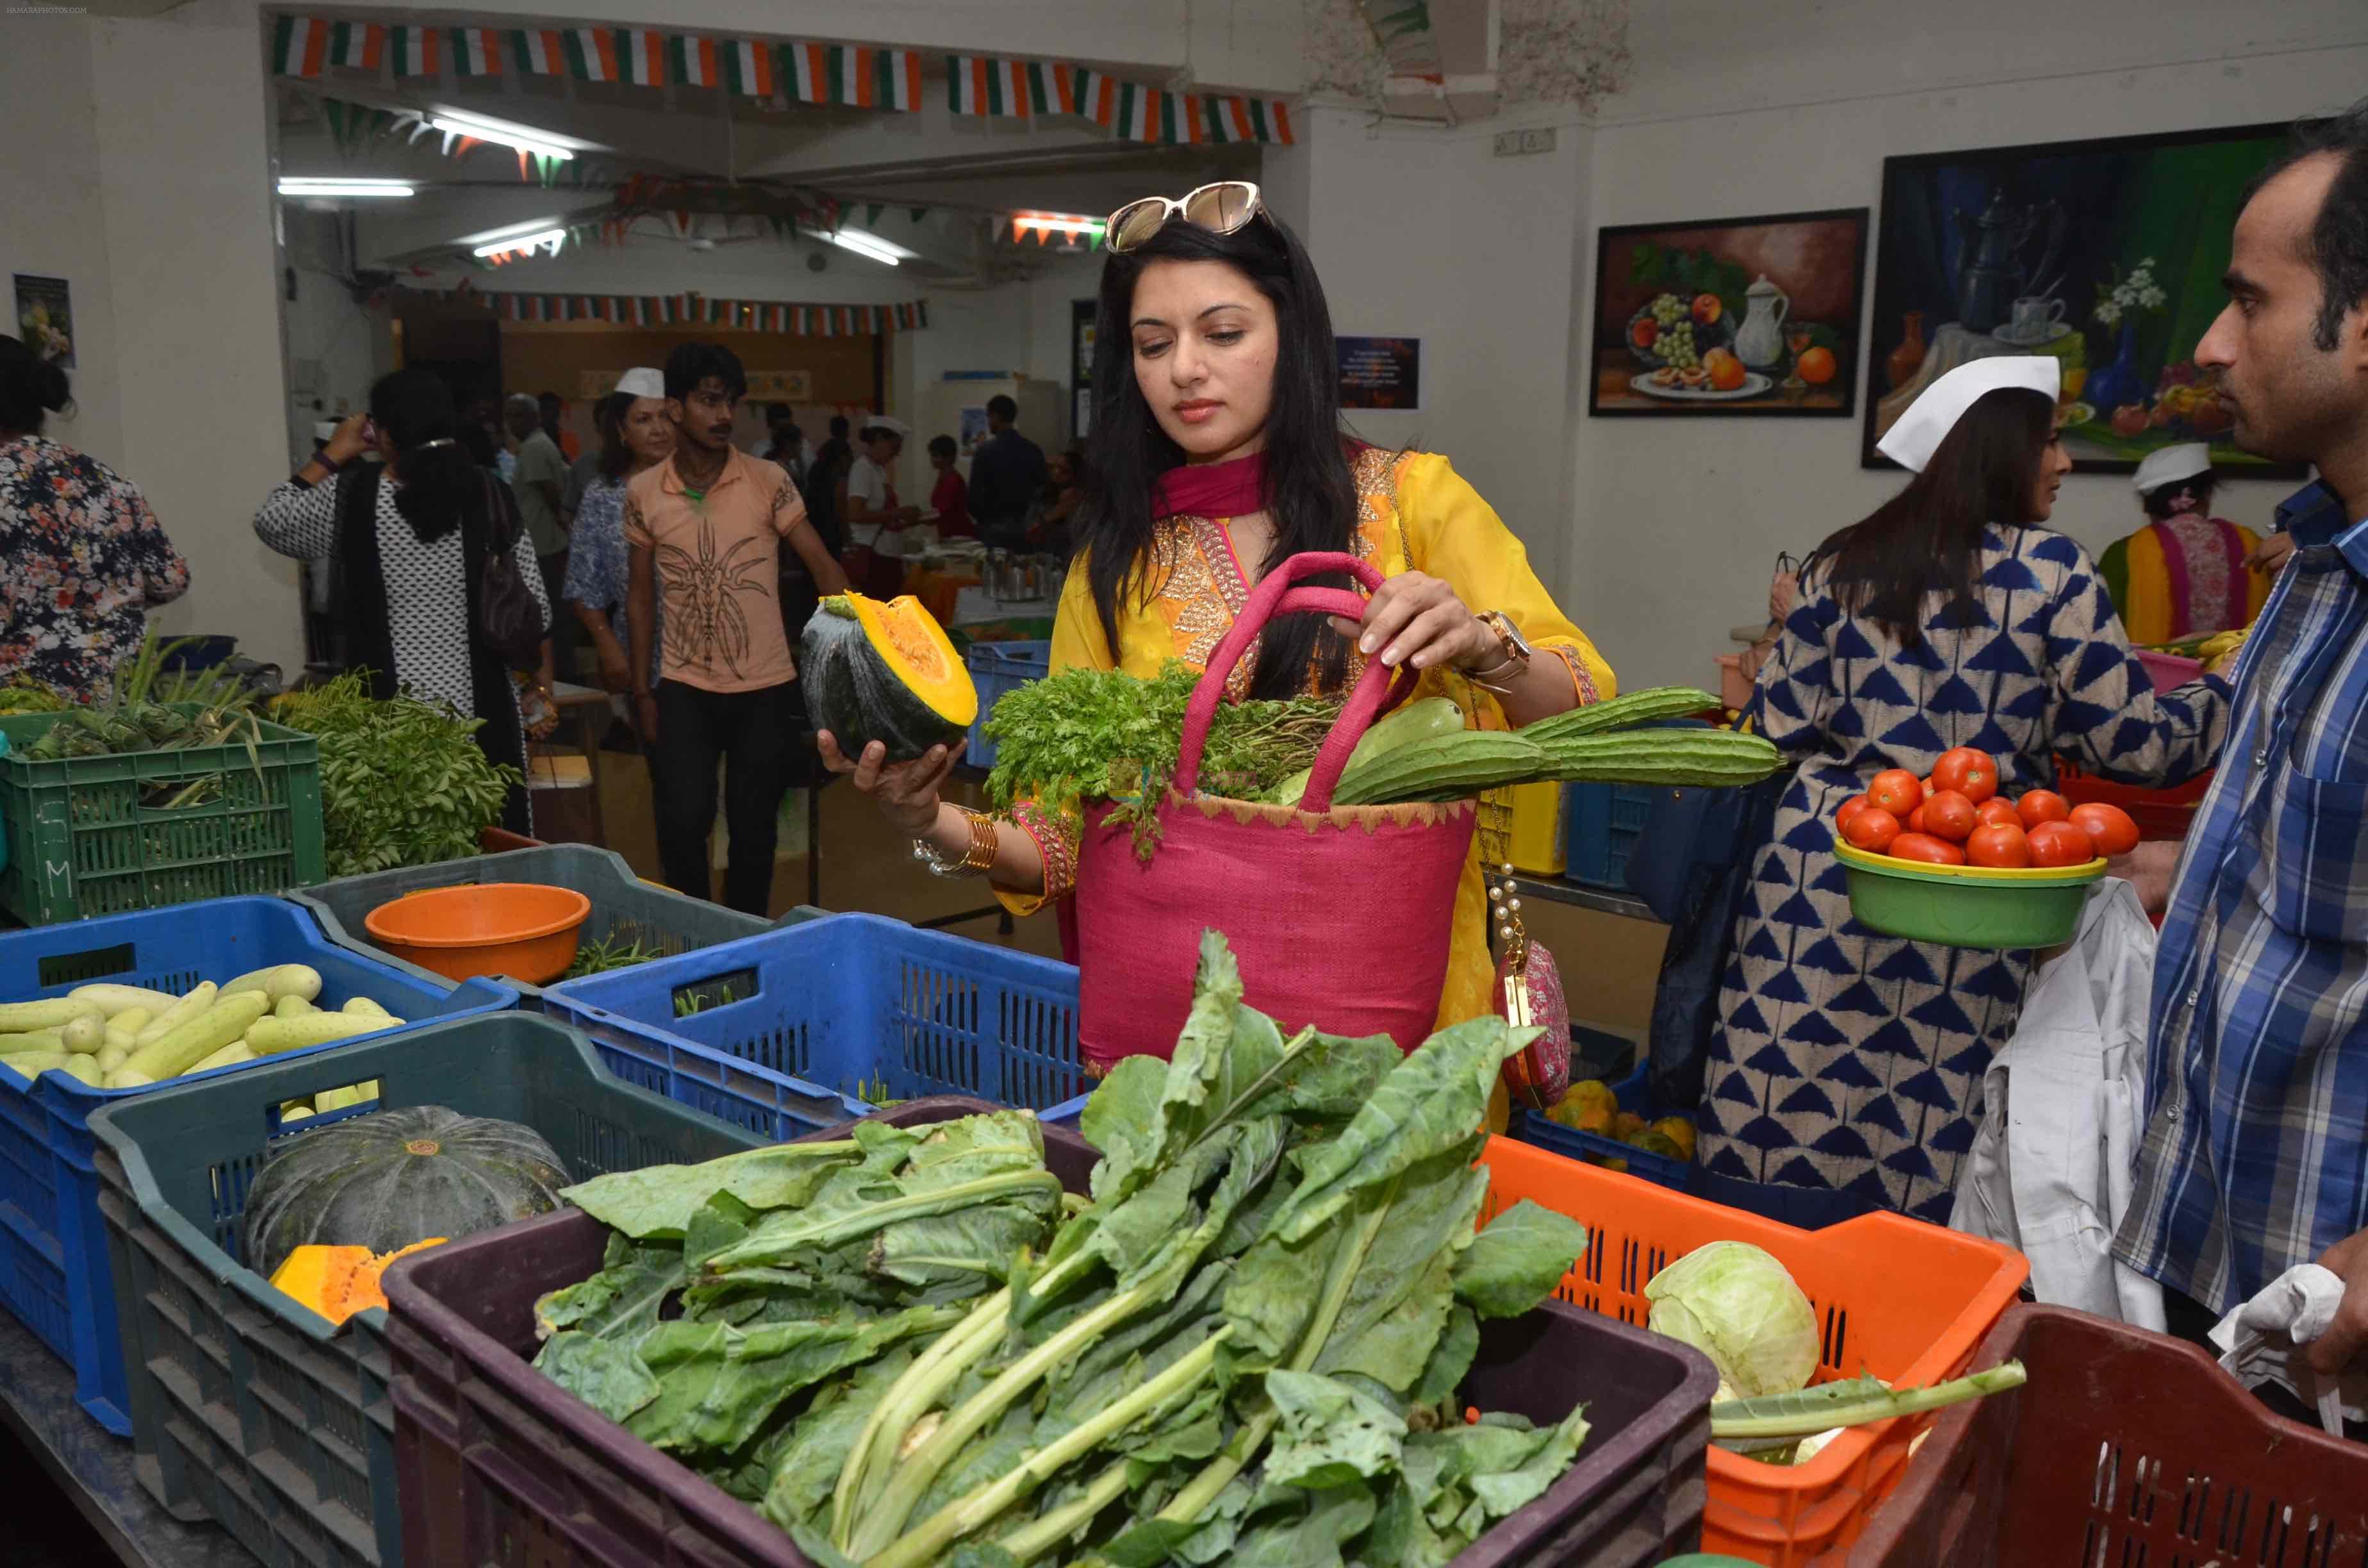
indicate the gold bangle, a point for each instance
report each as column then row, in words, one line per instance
column 978, row 858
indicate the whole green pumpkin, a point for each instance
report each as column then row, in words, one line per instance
column 385, row 1181
column 885, row 670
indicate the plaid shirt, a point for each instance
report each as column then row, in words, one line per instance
column 2256, row 1153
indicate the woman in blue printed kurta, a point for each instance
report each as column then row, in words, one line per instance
column 1851, row 1060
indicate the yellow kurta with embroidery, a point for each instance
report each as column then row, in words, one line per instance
column 1415, row 514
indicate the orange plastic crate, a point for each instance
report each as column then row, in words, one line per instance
column 1905, row 1300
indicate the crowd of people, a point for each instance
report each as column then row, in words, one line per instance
column 1952, row 616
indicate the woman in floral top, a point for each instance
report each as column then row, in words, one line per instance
column 85, row 557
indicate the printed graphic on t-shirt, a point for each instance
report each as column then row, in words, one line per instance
column 713, row 631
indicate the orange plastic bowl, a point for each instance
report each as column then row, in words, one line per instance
column 527, row 930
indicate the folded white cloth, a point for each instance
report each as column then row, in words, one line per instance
column 2262, row 1342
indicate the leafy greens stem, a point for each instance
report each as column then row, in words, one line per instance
column 1810, row 1420
column 883, row 1523
column 868, row 1462
column 1042, row 1535
column 769, row 1247
column 960, row 1517
column 1201, row 1491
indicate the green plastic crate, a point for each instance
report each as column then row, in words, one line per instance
column 249, row 1408
column 79, row 843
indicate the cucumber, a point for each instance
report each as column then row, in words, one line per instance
column 124, row 1078
column 363, row 1007
column 23, row 1018
column 52, row 1042
column 124, row 1028
column 1423, row 721
column 272, row 1036
column 1447, row 768
column 279, row 980
column 33, row 1063
column 228, row 1056
column 114, row 1000
column 85, row 1035
column 85, row 1068
column 179, row 1050
column 292, row 1007
column 200, row 997
column 1622, row 712
column 111, row 1056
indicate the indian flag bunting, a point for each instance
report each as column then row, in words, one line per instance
column 982, row 86
column 305, row 46
column 539, row 51
column 419, row 51
column 694, row 60
column 668, row 309
column 853, row 76
column 592, row 54
column 748, row 68
column 476, row 51
column 641, row 56
column 1052, row 89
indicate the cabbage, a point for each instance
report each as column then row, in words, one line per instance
column 1739, row 1306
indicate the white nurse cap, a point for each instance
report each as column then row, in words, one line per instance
column 2172, row 464
column 1911, row 442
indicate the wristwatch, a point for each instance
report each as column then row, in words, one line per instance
column 1499, row 677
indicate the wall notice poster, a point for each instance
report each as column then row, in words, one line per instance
column 1381, row 373
column 45, row 317
column 973, row 428
column 1081, row 361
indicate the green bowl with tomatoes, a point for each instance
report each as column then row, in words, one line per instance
column 1966, row 906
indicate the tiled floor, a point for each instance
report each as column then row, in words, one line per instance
column 1607, row 963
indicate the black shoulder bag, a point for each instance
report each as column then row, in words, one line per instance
column 507, row 616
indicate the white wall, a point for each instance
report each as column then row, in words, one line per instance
column 346, row 343
column 1678, row 522
column 1426, row 234
column 49, row 188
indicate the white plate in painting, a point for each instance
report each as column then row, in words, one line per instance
column 1754, row 384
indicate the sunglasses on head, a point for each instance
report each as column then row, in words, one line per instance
column 1224, row 207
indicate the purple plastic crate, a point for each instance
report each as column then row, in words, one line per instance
column 499, row 1466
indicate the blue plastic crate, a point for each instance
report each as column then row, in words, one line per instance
column 1634, row 1094
column 997, row 668
column 53, row 1268
column 1603, row 823
column 791, row 1029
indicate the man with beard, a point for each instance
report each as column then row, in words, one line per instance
column 708, row 524
column 2256, row 1153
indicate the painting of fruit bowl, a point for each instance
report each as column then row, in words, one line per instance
column 1729, row 316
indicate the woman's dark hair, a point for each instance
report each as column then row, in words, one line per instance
column 609, row 418
column 1074, row 455
column 30, row 387
column 1927, row 540
column 442, row 482
column 942, row 447
column 1310, row 493
column 2160, row 502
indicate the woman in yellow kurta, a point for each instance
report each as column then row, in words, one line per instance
column 1217, row 454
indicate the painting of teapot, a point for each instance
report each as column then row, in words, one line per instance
column 1990, row 273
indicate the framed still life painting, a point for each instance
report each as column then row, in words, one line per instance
column 2105, row 254
column 1730, row 316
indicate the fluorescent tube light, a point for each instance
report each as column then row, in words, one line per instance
column 297, row 185
column 511, row 231
column 554, row 238
column 525, row 138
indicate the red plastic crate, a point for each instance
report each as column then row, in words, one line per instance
column 1905, row 1300
column 499, row 1467
column 2160, row 813
column 2125, row 1448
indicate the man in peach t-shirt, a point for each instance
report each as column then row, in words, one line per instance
column 706, row 525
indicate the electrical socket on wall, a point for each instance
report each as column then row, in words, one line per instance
column 1518, row 144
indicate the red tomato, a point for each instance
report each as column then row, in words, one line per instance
column 1872, row 829
column 1915, row 820
column 2108, row 827
column 1896, row 791
column 1847, row 810
column 1997, row 811
column 1949, row 816
column 2060, row 844
column 2002, row 845
column 2042, row 805
column 1968, row 772
column 1930, row 790
column 1926, row 849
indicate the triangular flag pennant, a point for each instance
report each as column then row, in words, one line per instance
column 872, row 213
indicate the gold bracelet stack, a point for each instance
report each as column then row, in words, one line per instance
column 978, row 860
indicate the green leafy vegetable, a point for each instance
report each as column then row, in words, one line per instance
column 402, row 782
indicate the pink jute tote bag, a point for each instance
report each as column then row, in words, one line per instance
column 1339, row 916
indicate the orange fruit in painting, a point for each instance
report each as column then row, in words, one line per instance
column 1726, row 371
column 1816, row 366
column 1707, row 309
column 1644, row 332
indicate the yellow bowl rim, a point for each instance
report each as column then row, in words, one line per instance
column 2029, row 876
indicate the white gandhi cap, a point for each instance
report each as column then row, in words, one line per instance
column 2170, row 465
column 642, row 382
column 1911, row 442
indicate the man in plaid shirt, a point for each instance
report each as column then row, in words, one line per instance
column 2256, row 1153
